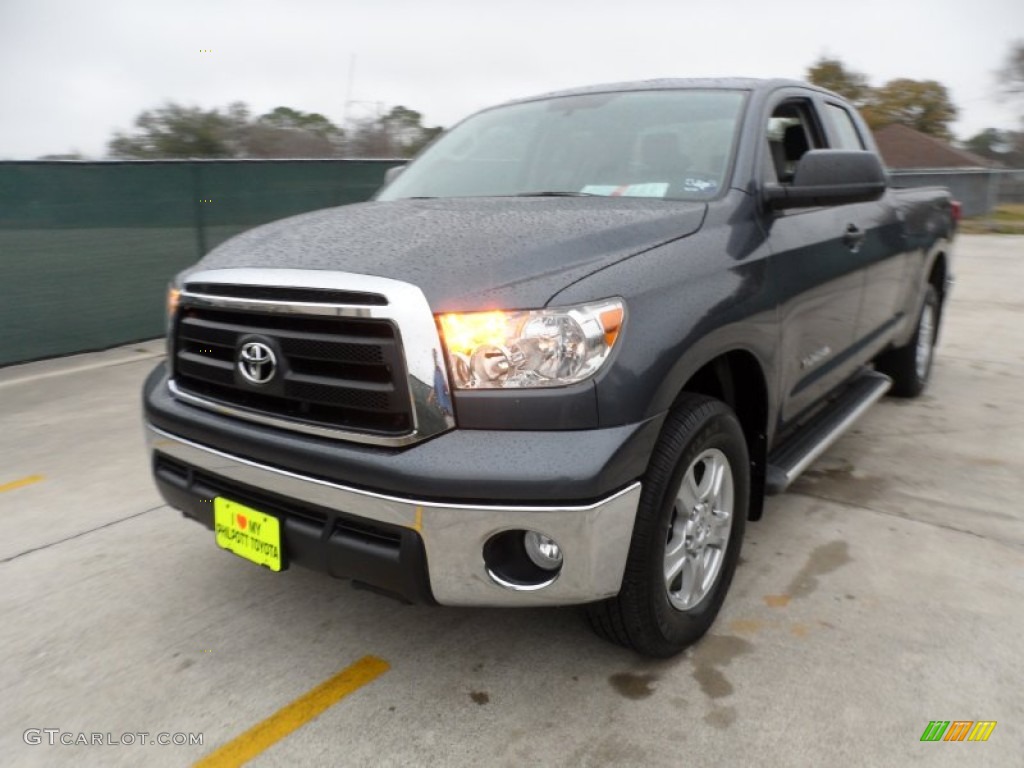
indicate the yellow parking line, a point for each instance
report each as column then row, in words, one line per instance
column 20, row 483
column 291, row 717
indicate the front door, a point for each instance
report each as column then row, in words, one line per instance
column 815, row 270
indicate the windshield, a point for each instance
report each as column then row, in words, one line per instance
column 663, row 144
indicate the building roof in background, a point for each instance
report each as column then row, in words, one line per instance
column 903, row 147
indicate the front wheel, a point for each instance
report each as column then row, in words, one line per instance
column 687, row 536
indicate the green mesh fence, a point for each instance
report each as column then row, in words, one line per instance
column 87, row 249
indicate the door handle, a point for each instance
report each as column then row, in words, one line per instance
column 854, row 237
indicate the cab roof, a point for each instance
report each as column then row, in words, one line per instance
column 675, row 83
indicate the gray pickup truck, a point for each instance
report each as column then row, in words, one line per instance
column 563, row 355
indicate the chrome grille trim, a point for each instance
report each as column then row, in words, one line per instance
column 406, row 308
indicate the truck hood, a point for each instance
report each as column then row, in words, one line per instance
column 466, row 253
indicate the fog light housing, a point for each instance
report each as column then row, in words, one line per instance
column 522, row 560
column 542, row 550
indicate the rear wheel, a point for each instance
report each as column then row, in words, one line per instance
column 688, row 533
column 910, row 366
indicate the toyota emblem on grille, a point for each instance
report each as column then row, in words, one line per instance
column 257, row 362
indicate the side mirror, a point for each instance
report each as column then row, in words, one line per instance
column 393, row 173
column 830, row 177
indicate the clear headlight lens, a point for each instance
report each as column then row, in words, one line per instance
column 537, row 348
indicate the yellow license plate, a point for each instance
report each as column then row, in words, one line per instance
column 247, row 532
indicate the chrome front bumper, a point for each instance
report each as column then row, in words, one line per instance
column 594, row 537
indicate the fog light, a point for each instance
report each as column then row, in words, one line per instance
column 543, row 551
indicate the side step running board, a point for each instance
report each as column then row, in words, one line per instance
column 798, row 453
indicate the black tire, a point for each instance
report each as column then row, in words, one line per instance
column 909, row 379
column 642, row 616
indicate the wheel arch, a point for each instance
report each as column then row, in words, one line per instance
column 938, row 276
column 737, row 378
column 939, row 272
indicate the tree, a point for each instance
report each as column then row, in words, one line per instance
column 368, row 138
column 924, row 105
column 174, row 131
column 832, row 74
column 263, row 141
column 287, row 132
column 72, row 155
column 399, row 133
column 1004, row 147
column 405, row 126
column 1011, row 76
column 989, row 142
column 286, row 118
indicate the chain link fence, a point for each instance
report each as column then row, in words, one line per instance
column 1011, row 187
column 977, row 189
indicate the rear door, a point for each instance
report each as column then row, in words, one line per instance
column 815, row 265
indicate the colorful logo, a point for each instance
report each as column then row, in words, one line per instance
column 958, row 730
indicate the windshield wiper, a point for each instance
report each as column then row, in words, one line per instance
column 546, row 193
column 554, row 193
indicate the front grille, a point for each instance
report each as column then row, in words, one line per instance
column 335, row 372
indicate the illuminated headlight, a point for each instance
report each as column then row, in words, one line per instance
column 537, row 348
column 173, row 297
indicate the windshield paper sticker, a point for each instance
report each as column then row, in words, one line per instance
column 626, row 190
column 699, row 185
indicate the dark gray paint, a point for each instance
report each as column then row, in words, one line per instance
column 461, row 465
column 467, row 253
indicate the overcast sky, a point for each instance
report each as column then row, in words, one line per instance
column 73, row 71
